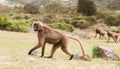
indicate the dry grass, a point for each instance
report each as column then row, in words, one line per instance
column 15, row 46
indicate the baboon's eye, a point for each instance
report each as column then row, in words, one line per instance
column 35, row 26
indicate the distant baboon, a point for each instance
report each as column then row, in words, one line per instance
column 112, row 35
column 100, row 32
column 52, row 36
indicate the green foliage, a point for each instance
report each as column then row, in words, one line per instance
column 96, row 53
column 19, row 25
column 112, row 20
column 31, row 8
column 103, row 14
column 86, row 7
column 4, row 23
column 14, row 25
column 62, row 26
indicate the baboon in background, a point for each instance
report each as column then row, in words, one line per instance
column 100, row 32
column 52, row 36
column 112, row 35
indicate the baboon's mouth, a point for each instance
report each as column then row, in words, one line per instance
column 35, row 29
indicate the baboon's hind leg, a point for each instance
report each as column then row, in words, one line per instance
column 54, row 48
column 67, row 51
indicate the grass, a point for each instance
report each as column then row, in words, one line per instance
column 15, row 46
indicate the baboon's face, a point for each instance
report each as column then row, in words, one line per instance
column 37, row 26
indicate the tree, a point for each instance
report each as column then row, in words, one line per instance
column 86, row 7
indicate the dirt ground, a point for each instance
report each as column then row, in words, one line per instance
column 15, row 46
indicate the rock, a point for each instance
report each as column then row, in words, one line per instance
column 107, row 53
column 78, row 54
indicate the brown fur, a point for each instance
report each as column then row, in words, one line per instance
column 112, row 35
column 51, row 36
column 100, row 32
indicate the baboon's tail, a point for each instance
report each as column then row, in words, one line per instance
column 83, row 52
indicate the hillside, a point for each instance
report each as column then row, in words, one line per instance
column 99, row 3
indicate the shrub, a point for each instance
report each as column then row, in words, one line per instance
column 96, row 53
column 62, row 26
column 14, row 25
column 17, row 17
column 4, row 23
column 31, row 8
column 91, row 19
column 81, row 24
column 20, row 25
column 112, row 20
column 102, row 14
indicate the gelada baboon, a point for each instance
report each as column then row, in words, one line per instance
column 100, row 32
column 52, row 36
column 112, row 35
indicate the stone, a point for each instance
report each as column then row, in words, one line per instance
column 78, row 54
column 107, row 53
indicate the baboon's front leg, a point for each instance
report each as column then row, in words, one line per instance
column 34, row 48
column 43, row 50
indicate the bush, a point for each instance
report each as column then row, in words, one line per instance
column 14, row 25
column 81, row 24
column 112, row 20
column 96, row 53
column 19, row 25
column 18, row 17
column 91, row 19
column 31, row 8
column 62, row 26
column 102, row 14
column 4, row 23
